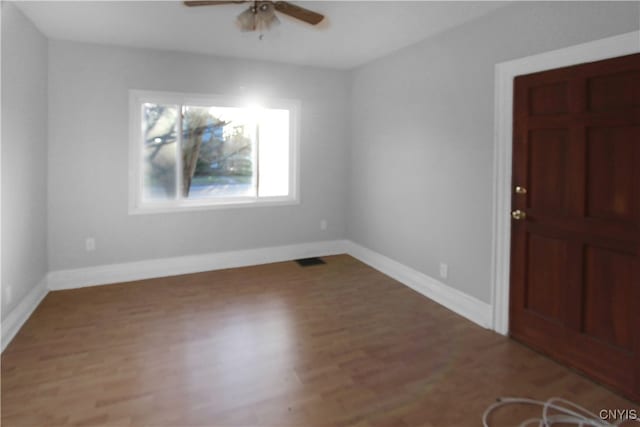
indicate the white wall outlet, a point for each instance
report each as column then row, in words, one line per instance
column 324, row 224
column 444, row 270
column 90, row 244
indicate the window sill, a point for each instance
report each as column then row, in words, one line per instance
column 150, row 209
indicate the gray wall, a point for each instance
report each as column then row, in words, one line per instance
column 24, row 157
column 88, row 155
column 414, row 184
column 422, row 134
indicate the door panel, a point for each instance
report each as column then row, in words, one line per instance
column 611, row 91
column 548, row 150
column 575, row 260
column 608, row 297
column 549, row 98
column 547, row 271
column 611, row 154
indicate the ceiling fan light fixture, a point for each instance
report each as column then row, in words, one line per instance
column 260, row 16
column 247, row 20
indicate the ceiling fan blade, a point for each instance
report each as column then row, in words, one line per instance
column 212, row 3
column 298, row 12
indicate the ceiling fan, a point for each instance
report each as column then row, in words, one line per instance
column 261, row 14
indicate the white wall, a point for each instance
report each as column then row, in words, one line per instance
column 414, row 184
column 24, row 157
column 88, row 155
column 422, row 134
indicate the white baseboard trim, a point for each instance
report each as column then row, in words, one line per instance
column 21, row 313
column 463, row 304
column 148, row 269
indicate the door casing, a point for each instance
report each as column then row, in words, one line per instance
column 505, row 72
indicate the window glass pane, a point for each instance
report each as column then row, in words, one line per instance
column 274, row 153
column 218, row 152
column 159, row 151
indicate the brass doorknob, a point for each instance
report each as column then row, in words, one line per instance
column 518, row 215
column 520, row 190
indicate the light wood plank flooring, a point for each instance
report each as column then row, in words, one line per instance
column 275, row 345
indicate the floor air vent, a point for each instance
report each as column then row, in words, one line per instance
column 308, row 262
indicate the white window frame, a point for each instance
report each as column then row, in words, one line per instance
column 137, row 206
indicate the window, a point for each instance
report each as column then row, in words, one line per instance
column 197, row 152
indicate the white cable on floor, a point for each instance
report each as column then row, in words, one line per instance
column 567, row 413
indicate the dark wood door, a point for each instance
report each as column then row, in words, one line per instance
column 575, row 252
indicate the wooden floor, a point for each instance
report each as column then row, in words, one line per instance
column 275, row 345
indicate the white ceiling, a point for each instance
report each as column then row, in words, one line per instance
column 353, row 33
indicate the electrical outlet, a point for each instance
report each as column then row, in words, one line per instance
column 323, row 224
column 90, row 244
column 444, row 270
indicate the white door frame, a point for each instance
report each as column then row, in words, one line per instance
column 624, row 44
